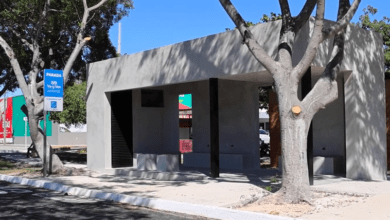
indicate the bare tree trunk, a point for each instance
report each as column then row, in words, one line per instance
column 295, row 185
column 53, row 162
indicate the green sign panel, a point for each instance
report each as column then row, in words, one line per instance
column 186, row 100
column 18, row 124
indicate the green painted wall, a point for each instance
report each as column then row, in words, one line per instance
column 18, row 115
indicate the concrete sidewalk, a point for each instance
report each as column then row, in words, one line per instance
column 211, row 197
column 376, row 207
column 226, row 191
column 206, row 196
column 10, row 148
column 203, row 198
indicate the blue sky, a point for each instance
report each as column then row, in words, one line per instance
column 156, row 23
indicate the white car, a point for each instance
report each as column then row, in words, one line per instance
column 264, row 136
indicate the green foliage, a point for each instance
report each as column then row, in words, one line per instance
column 382, row 27
column 268, row 188
column 74, row 106
column 264, row 19
column 59, row 33
column 264, row 98
column 56, row 42
column 6, row 164
column 272, row 17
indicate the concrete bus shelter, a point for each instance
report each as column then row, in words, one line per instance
column 132, row 105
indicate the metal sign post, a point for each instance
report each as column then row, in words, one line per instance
column 53, row 92
column 25, row 131
column 4, row 119
column 44, row 145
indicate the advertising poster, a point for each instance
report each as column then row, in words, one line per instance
column 6, row 114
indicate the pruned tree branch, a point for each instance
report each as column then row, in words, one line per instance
column 304, row 15
column 55, row 10
column 81, row 41
column 97, row 5
column 78, row 14
column 253, row 46
column 318, row 37
column 315, row 41
column 343, row 22
column 91, row 18
column 286, row 14
column 287, row 36
column 325, row 91
column 37, row 60
column 40, row 22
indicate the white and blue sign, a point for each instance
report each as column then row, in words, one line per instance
column 53, row 90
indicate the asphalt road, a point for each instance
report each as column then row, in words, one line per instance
column 24, row 202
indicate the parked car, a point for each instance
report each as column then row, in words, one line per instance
column 264, row 149
column 264, row 143
column 264, row 136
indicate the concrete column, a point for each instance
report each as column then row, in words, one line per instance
column 388, row 121
column 214, row 127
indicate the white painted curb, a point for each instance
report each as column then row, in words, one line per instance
column 161, row 204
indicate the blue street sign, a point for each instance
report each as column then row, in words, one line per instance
column 53, row 104
column 53, row 90
column 54, row 83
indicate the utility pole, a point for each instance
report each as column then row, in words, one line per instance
column 5, row 118
column 119, row 38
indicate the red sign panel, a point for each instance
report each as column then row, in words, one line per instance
column 185, row 145
column 6, row 112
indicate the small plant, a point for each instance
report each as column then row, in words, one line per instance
column 82, row 151
column 274, row 180
column 6, row 164
column 268, row 188
column 30, row 170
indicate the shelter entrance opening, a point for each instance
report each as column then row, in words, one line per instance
column 185, row 124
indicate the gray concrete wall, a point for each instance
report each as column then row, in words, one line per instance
column 72, row 138
column 148, row 127
column 170, row 135
column 58, row 138
column 52, row 140
column 184, row 133
column 238, row 116
column 99, row 129
column 156, row 130
column 328, row 127
column 365, row 107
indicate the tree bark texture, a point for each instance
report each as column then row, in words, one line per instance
column 53, row 162
column 294, row 128
column 294, row 159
